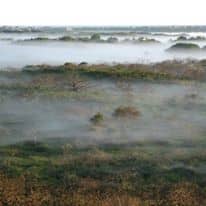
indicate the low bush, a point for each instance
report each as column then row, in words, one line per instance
column 130, row 112
column 97, row 119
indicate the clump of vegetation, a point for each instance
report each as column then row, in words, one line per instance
column 181, row 38
column 146, row 40
column 129, row 112
column 138, row 71
column 132, row 71
column 70, row 66
column 77, row 83
column 197, row 38
column 166, row 70
column 184, row 46
column 97, row 119
column 39, row 39
column 141, row 40
column 66, row 38
column 83, row 64
column 112, row 40
column 95, row 37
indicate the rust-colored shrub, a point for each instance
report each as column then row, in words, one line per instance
column 129, row 112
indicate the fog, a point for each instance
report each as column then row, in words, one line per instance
column 169, row 112
column 16, row 54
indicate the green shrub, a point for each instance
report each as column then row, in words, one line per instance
column 97, row 119
column 95, row 37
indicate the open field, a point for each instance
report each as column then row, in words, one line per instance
column 103, row 135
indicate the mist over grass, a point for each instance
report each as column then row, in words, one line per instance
column 119, row 46
column 97, row 135
column 84, row 134
column 51, row 103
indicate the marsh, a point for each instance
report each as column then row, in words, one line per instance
column 99, row 123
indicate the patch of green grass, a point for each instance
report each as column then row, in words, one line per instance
column 117, row 71
column 97, row 119
column 138, row 162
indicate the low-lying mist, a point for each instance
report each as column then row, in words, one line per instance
column 23, row 49
column 168, row 112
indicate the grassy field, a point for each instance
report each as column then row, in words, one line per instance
column 140, row 173
column 99, row 135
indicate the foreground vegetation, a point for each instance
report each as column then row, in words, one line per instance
column 59, row 172
column 102, row 170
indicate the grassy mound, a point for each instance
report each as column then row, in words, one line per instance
column 184, row 46
column 128, row 112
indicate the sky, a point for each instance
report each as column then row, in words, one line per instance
column 102, row 12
